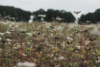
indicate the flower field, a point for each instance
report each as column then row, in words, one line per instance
column 53, row 44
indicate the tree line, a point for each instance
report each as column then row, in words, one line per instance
column 93, row 17
column 21, row 15
column 17, row 13
column 51, row 14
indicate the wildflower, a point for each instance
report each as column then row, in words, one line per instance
column 76, row 12
column 55, row 58
column 86, row 62
column 1, row 33
column 30, row 34
column 47, row 25
column 79, row 47
column 16, row 26
column 88, row 22
column 61, row 58
column 98, row 61
column 7, row 32
column 51, row 34
column 87, row 42
column 41, row 16
column 23, row 30
column 12, row 31
column 96, row 31
column 26, row 64
column 59, row 19
column 9, row 40
column 24, row 54
column 17, row 47
column 55, row 30
column 69, row 40
column 0, row 38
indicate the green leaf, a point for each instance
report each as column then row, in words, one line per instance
column 41, row 24
column 43, row 58
column 71, row 49
column 74, row 64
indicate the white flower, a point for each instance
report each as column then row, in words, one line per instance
column 28, row 42
column 16, row 26
column 30, row 34
column 96, row 31
column 0, row 38
column 1, row 33
column 58, row 18
column 52, row 55
column 9, row 43
column 26, row 64
column 17, row 47
column 79, row 47
column 87, row 42
column 68, row 38
column 7, row 32
column 60, row 28
column 76, row 51
column 98, row 61
column 47, row 25
column 55, row 59
column 61, row 58
column 51, row 34
column 24, row 54
column 41, row 16
column 57, row 66
column 9, row 39
column 71, row 25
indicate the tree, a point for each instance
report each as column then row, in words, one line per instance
column 68, row 17
column 18, row 14
column 93, row 17
column 38, row 12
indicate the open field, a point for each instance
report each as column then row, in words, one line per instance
column 42, row 44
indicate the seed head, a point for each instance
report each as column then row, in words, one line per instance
column 76, row 12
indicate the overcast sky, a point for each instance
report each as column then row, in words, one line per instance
column 69, row 5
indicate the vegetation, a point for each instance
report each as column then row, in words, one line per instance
column 18, row 14
column 42, row 44
column 21, row 15
column 93, row 17
column 49, row 45
column 51, row 15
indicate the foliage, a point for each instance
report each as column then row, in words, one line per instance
column 93, row 17
column 17, row 13
column 51, row 13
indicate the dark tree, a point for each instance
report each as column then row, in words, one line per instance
column 93, row 17
column 68, row 17
column 18, row 14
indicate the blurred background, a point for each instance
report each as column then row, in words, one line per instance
column 23, row 10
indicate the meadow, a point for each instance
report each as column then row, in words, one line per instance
column 49, row 44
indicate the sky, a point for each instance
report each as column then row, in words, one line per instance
column 84, row 6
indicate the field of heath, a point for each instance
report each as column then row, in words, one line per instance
column 43, row 44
